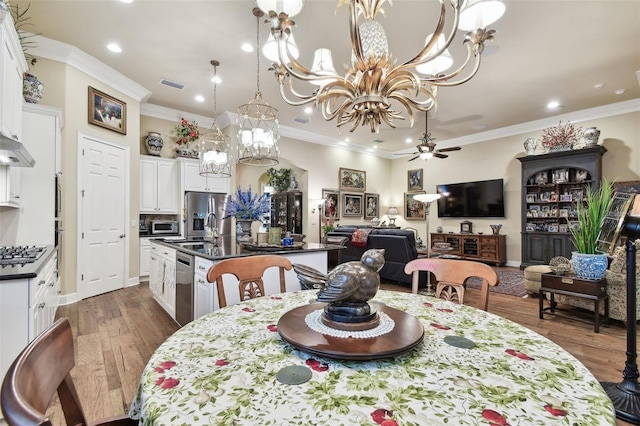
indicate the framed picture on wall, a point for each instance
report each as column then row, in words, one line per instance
column 371, row 205
column 331, row 206
column 351, row 204
column 107, row 111
column 352, row 180
column 414, row 180
column 413, row 209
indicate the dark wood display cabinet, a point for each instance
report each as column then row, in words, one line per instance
column 552, row 184
column 484, row 248
column 286, row 211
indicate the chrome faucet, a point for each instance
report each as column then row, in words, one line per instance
column 211, row 231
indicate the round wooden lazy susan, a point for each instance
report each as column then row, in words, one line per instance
column 406, row 334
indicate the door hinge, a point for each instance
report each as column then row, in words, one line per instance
column 83, row 235
column 82, row 192
column 81, row 277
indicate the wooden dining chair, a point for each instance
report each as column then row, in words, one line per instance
column 41, row 369
column 249, row 271
column 451, row 276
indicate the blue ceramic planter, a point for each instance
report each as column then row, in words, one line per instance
column 589, row 266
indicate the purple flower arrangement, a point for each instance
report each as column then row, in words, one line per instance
column 247, row 205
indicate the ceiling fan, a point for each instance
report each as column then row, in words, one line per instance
column 427, row 147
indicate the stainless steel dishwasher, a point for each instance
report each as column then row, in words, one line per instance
column 184, row 288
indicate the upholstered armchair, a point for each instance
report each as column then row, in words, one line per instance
column 616, row 277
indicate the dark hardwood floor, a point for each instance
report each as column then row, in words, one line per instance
column 116, row 333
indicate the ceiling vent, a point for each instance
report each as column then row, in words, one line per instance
column 302, row 119
column 173, row 84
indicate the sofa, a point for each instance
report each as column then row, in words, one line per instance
column 399, row 245
column 616, row 277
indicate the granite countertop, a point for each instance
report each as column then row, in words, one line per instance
column 29, row 270
column 227, row 248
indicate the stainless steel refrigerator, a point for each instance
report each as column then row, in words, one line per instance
column 203, row 208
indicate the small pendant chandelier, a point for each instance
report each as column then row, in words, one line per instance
column 258, row 132
column 215, row 159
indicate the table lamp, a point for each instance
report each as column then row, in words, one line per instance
column 392, row 214
column 426, row 200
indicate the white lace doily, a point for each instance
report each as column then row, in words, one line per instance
column 314, row 322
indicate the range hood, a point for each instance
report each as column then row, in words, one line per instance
column 14, row 153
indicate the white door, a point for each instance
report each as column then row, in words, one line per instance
column 103, row 197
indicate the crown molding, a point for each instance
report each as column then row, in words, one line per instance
column 70, row 55
column 624, row 107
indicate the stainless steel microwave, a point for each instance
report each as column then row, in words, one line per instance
column 164, row 227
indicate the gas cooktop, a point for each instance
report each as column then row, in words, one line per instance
column 20, row 255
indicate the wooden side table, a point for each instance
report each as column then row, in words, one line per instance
column 570, row 285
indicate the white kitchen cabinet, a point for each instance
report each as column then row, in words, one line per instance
column 192, row 181
column 27, row 307
column 158, row 185
column 10, row 186
column 162, row 276
column 145, row 261
column 12, row 67
column 45, row 300
column 203, row 290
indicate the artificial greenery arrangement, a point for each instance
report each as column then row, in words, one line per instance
column 247, row 205
column 280, row 179
column 591, row 211
column 20, row 21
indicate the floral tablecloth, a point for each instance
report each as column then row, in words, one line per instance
column 221, row 370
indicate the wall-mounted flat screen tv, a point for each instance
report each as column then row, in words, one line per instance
column 483, row 198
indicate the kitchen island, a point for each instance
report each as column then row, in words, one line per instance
column 178, row 270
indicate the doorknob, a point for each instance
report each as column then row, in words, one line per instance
column 122, row 235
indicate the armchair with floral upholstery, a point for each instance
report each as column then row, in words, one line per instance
column 616, row 277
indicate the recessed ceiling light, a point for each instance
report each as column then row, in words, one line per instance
column 199, row 98
column 347, row 140
column 598, row 86
column 114, row 48
column 619, row 91
column 308, row 110
column 247, row 47
column 553, row 105
column 375, row 147
column 408, row 140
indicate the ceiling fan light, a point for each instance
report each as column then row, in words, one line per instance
column 480, row 14
column 426, row 155
column 270, row 48
column 290, row 7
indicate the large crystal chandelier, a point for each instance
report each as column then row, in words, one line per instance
column 373, row 80
column 215, row 160
column 258, row 132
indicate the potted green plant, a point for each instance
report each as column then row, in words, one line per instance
column 586, row 260
column 280, row 179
